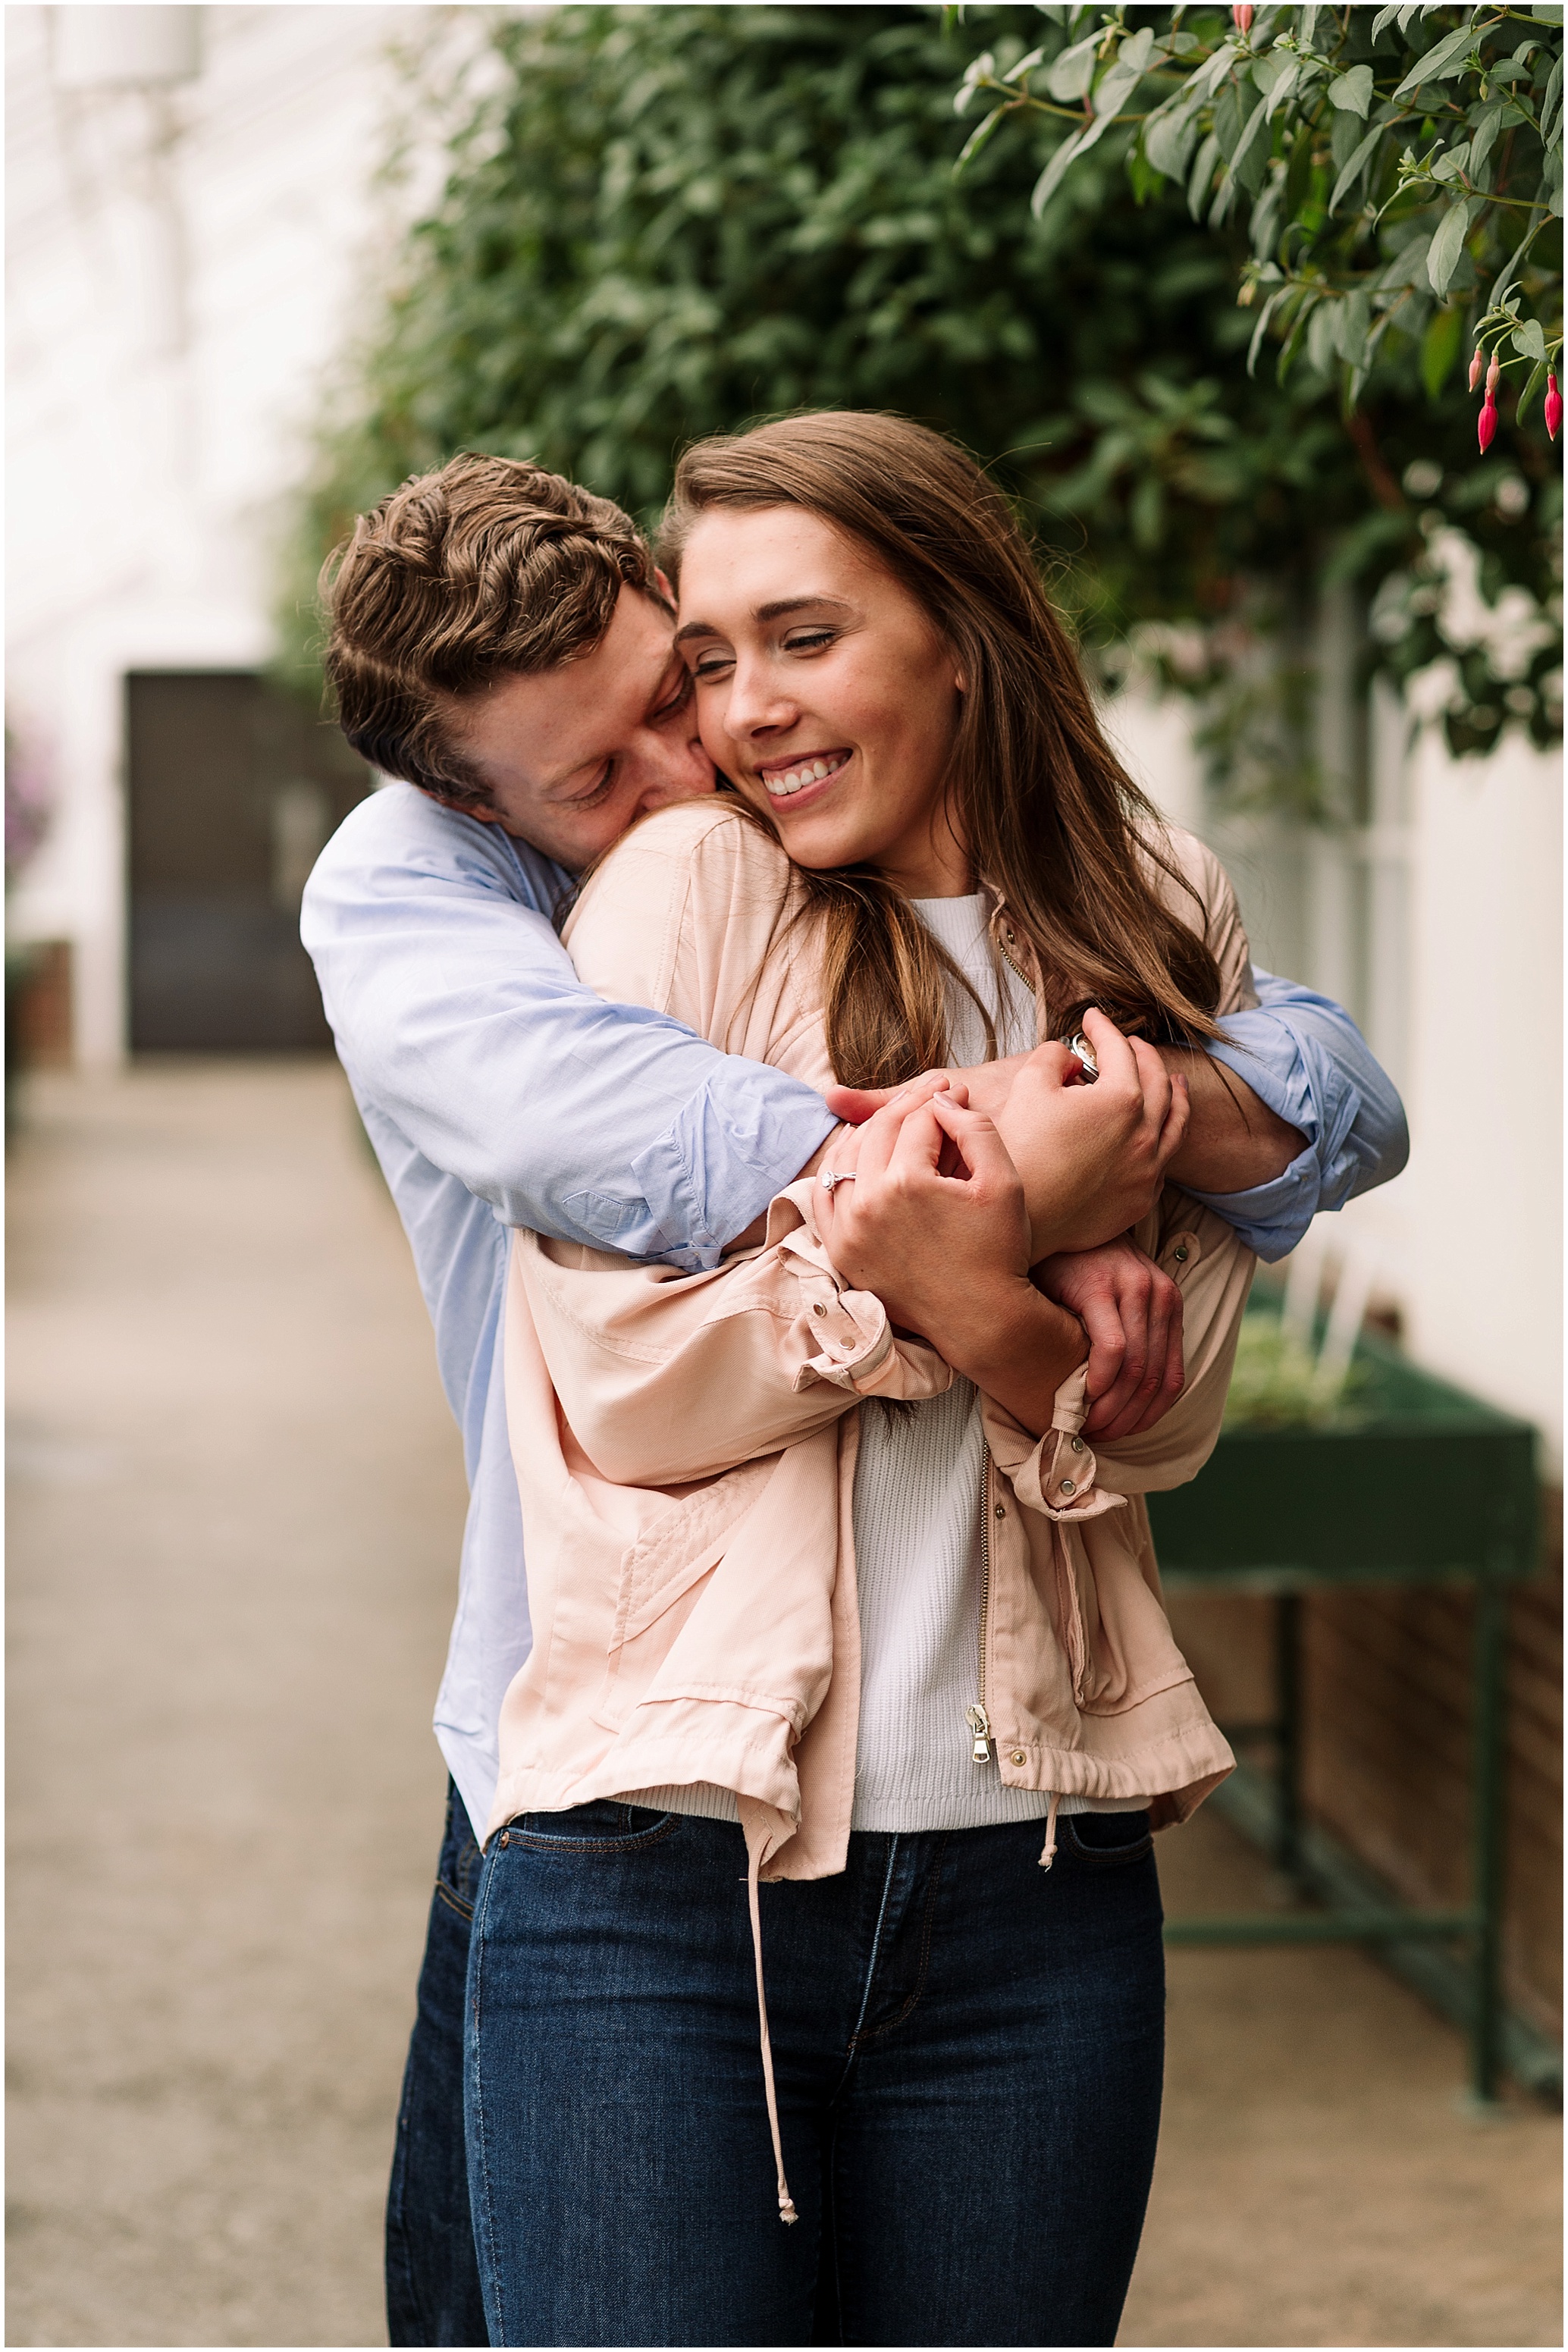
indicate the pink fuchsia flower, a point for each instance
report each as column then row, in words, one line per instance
column 1492, row 374
column 1553, row 408
column 1243, row 14
column 1476, row 366
column 1486, row 422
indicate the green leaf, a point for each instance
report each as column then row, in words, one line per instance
column 1440, row 348
column 1484, row 139
column 1257, row 121
column 1056, row 171
column 979, row 135
column 1447, row 244
column 1448, row 58
column 1202, row 173
column 1073, row 70
column 1529, row 342
column 1353, row 169
column 1352, row 91
column 1537, row 378
column 1169, row 139
column 1354, row 318
column 1322, row 337
column 1259, row 329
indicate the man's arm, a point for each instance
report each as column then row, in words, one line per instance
column 458, row 1013
column 1303, row 1056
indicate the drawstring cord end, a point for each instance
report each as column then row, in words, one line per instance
column 757, row 1843
column 1048, row 1851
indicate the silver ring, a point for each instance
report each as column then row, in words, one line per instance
column 829, row 1177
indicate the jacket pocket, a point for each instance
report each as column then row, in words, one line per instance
column 662, row 1577
column 1114, row 1633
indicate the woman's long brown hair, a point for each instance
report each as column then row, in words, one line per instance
column 1053, row 824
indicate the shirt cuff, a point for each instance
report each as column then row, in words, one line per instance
column 744, row 1135
column 1272, row 1218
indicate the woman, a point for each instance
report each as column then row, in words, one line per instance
column 830, row 1591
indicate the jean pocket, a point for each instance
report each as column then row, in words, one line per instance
column 606, row 1826
column 1107, row 1841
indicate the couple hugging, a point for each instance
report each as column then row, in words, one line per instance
column 836, row 1123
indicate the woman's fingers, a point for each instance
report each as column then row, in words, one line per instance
column 984, row 1154
column 857, row 1105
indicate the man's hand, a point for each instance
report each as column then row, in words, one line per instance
column 1092, row 1158
column 948, row 1253
column 1132, row 1313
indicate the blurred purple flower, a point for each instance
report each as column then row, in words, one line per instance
column 29, row 801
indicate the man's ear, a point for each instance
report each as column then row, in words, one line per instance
column 466, row 808
column 665, row 590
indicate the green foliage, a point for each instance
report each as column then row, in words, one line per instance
column 1277, row 1383
column 1388, row 159
column 668, row 221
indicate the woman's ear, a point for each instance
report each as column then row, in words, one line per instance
column 961, row 681
column 665, row 590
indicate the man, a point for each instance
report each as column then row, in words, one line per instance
column 502, row 641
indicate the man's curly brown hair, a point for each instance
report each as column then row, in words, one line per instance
column 488, row 568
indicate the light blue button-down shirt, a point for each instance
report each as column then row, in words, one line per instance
column 497, row 1091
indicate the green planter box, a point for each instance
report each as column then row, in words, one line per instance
column 1421, row 1483
column 1414, row 1482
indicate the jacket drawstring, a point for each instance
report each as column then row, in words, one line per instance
column 755, row 1863
column 1048, row 1851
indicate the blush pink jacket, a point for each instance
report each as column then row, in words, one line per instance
column 685, row 1445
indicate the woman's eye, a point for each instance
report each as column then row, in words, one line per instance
column 810, row 641
column 714, row 665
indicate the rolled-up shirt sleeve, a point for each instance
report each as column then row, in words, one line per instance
column 457, row 1011
column 1303, row 1055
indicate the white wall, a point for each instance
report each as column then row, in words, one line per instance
column 1450, row 955
column 186, row 262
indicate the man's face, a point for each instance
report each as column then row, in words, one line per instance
column 573, row 755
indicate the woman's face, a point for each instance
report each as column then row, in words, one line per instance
column 825, row 693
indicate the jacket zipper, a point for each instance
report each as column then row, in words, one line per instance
column 979, row 1722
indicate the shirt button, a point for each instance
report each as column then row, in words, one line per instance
column 1018, row 1757
column 1001, row 1513
column 819, row 1308
column 1181, row 1256
column 1068, row 1486
column 1078, row 1446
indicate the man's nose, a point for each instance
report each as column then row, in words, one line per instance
column 670, row 771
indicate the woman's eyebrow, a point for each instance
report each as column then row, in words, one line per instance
column 774, row 612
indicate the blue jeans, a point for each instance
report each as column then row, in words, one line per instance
column 432, row 2277
column 968, row 2053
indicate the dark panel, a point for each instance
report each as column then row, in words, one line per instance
column 234, row 788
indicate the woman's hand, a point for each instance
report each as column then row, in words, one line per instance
column 948, row 1254
column 1132, row 1313
column 1092, row 1158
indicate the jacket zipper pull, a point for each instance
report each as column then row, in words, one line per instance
column 979, row 1722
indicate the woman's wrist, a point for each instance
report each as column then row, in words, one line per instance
column 1016, row 1346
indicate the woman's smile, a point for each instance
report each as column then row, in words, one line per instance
column 788, row 778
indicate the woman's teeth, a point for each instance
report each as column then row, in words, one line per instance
column 794, row 780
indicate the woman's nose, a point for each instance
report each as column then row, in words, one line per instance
column 757, row 703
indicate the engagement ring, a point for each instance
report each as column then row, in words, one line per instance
column 831, row 1177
